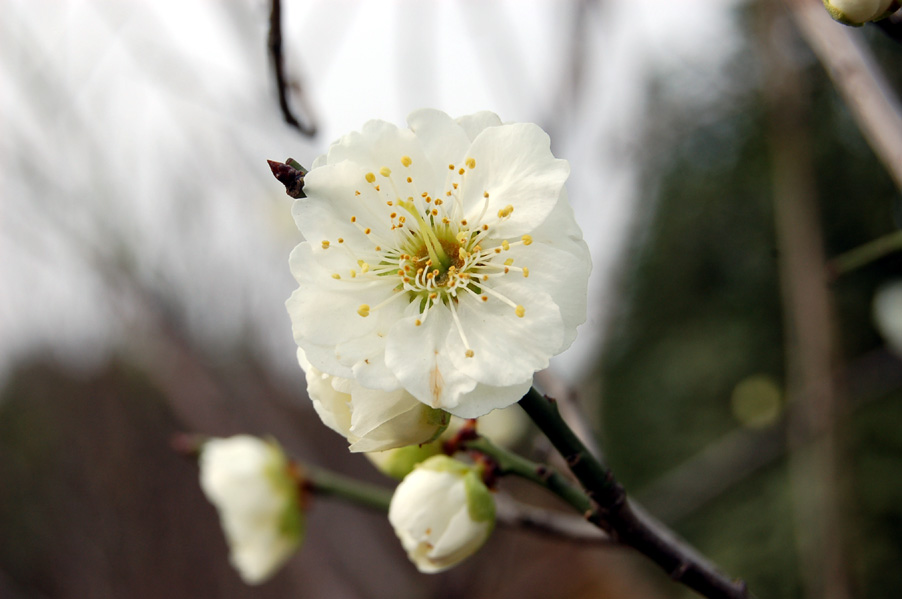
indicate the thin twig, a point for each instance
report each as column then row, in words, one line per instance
column 863, row 87
column 558, row 525
column 815, row 458
column 625, row 522
column 282, row 85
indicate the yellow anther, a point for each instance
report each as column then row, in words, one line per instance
column 353, row 219
column 434, row 212
column 417, row 322
column 450, row 167
column 509, row 261
column 506, row 211
column 463, row 222
column 461, row 171
column 378, row 188
column 485, row 227
column 370, row 177
column 448, row 193
column 471, row 163
column 485, row 194
column 527, row 239
column 341, row 240
column 364, row 310
column 378, row 248
column 520, row 311
column 335, row 275
column 393, row 215
column 410, row 179
column 445, row 219
column 469, row 353
column 385, row 171
column 353, row 274
column 405, row 160
column 462, row 253
column 525, row 272
column 505, row 245
column 484, row 298
column 485, row 277
column 389, row 203
column 356, row 192
column 367, row 231
column 454, row 185
column 432, row 296
column 325, row 244
column 366, row 267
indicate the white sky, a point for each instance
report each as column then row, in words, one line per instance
column 130, row 100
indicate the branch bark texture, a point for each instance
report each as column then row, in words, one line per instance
column 625, row 522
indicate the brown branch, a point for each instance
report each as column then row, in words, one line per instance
column 815, row 459
column 858, row 80
column 282, row 85
column 625, row 522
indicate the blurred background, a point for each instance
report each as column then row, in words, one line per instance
column 730, row 366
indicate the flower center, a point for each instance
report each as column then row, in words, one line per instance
column 436, row 254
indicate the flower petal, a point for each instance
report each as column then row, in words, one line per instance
column 444, row 141
column 515, row 166
column 473, row 124
column 507, row 349
column 418, row 356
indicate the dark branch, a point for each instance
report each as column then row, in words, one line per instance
column 290, row 174
column 615, row 514
column 282, row 84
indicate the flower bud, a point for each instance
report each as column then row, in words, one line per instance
column 888, row 315
column 442, row 512
column 249, row 482
column 858, row 12
column 398, row 463
column 370, row 419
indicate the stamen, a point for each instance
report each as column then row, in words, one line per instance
column 520, row 311
column 364, row 310
column 370, row 177
column 325, row 244
column 405, row 160
column 385, row 171
column 471, row 163
column 527, row 239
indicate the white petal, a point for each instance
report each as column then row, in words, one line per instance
column 444, row 141
column 514, row 164
column 318, row 295
column 473, row 124
column 485, row 398
column 418, row 357
column 507, row 349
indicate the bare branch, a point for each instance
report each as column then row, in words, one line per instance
column 858, row 80
column 282, row 84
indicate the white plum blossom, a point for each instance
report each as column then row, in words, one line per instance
column 858, row 12
column 442, row 512
column 249, row 482
column 443, row 260
column 371, row 420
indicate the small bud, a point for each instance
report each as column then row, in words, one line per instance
column 858, row 12
column 290, row 174
column 888, row 315
column 442, row 512
column 398, row 463
column 249, row 481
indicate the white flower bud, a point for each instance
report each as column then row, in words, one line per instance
column 248, row 481
column 370, row 419
column 857, row 12
column 442, row 512
column 888, row 315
